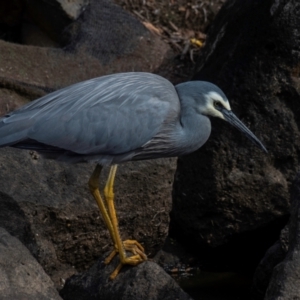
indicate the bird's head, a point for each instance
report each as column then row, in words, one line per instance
column 213, row 103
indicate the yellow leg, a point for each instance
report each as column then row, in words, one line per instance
column 94, row 188
column 130, row 245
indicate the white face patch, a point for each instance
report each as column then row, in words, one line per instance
column 210, row 109
column 214, row 96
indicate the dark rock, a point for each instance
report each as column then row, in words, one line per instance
column 173, row 255
column 145, row 281
column 285, row 281
column 54, row 16
column 229, row 186
column 11, row 13
column 53, row 200
column 273, row 256
column 21, row 277
column 105, row 31
column 13, row 219
column 97, row 27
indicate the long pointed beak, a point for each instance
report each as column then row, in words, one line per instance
column 231, row 118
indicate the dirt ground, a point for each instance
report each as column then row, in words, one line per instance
column 181, row 23
column 173, row 19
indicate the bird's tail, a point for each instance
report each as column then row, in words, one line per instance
column 12, row 131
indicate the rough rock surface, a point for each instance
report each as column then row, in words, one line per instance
column 263, row 272
column 98, row 27
column 102, row 33
column 21, row 277
column 145, row 281
column 285, row 281
column 229, row 186
column 50, row 207
column 120, row 32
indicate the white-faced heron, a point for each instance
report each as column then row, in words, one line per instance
column 114, row 119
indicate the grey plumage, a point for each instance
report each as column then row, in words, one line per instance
column 115, row 118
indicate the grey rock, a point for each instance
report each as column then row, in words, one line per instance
column 97, row 27
column 58, row 219
column 263, row 272
column 145, row 281
column 73, row 8
column 285, row 280
column 229, row 186
column 21, row 277
column 105, row 30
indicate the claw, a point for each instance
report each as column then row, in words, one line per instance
column 109, row 258
column 132, row 246
column 132, row 260
column 135, row 247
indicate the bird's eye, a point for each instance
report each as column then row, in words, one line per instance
column 217, row 104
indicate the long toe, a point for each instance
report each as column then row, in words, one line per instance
column 110, row 257
column 132, row 260
column 129, row 243
column 132, row 246
column 135, row 248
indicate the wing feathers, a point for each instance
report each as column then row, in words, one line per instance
column 110, row 115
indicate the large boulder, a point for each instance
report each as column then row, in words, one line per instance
column 263, row 273
column 21, row 276
column 99, row 28
column 229, row 187
column 285, row 280
column 49, row 207
column 145, row 281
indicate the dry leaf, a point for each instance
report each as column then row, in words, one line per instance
column 152, row 28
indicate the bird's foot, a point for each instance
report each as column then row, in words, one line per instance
column 135, row 247
column 132, row 260
column 132, row 246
